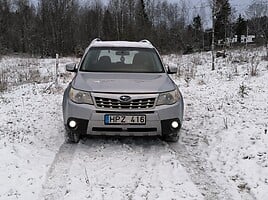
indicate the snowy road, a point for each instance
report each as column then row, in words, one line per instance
column 118, row 168
column 129, row 168
column 222, row 152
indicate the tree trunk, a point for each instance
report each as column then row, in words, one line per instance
column 213, row 35
column 267, row 50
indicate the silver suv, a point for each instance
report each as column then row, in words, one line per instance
column 122, row 88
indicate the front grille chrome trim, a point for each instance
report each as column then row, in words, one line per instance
column 113, row 102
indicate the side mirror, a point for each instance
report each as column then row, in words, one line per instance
column 71, row 67
column 171, row 69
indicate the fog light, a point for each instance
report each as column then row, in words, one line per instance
column 175, row 124
column 72, row 124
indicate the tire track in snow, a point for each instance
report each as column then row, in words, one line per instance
column 244, row 193
column 127, row 168
column 146, row 178
column 54, row 187
column 199, row 173
column 204, row 182
column 151, row 178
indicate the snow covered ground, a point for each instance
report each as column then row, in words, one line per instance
column 222, row 153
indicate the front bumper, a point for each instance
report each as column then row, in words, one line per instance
column 90, row 119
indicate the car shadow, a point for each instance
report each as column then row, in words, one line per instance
column 137, row 141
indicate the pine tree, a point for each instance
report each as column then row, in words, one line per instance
column 241, row 28
column 223, row 12
column 143, row 23
column 197, row 23
column 197, row 29
column 5, row 20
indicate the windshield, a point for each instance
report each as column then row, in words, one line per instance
column 111, row 59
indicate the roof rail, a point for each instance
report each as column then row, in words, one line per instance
column 95, row 40
column 146, row 41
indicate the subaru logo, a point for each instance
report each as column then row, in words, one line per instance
column 125, row 98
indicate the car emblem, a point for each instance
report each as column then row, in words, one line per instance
column 125, row 98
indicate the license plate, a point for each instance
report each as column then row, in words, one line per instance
column 125, row 119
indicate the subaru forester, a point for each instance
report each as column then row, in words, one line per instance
column 122, row 88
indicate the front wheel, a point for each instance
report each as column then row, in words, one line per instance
column 171, row 138
column 72, row 137
column 174, row 137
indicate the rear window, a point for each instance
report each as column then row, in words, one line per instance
column 136, row 60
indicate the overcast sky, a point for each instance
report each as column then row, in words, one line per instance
column 195, row 5
column 240, row 5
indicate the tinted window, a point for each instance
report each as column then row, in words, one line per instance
column 134, row 60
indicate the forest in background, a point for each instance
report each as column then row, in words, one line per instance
column 67, row 27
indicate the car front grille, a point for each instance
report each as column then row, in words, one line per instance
column 117, row 104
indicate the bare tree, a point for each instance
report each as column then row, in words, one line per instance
column 123, row 16
column 220, row 12
column 57, row 25
column 66, row 26
column 257, row 12
column 214, row 10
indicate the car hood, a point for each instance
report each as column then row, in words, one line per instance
column 123, row 82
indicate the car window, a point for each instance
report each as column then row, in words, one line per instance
column 110, row 59
column 117, row 56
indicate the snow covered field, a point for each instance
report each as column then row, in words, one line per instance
column 222, row 153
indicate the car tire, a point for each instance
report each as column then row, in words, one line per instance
column 72, row 137
column 171, row 138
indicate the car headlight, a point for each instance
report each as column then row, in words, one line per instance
column 168, row 98
column 79, row 96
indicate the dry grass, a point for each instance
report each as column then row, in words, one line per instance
column 3, row 81
column 254, row 63
column 196, row 60
column 243, row 90
column 29, row 76
column 21, row 72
